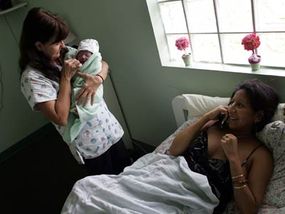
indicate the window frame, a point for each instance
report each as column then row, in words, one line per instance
column 163, row 46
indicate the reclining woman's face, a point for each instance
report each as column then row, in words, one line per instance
column 242, row 117
column 82, row 56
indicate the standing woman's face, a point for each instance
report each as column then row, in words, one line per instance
column 51, row 50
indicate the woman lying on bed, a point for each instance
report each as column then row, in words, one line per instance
column 222, row 145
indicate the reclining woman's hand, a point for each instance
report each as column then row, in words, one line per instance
column 91, row 85
column 229, row 144
column 214, row 114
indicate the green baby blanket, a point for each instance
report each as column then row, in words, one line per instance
column 79, row 115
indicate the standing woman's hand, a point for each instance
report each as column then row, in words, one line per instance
column 91, row 85
column 57, row 110
column 70, row 67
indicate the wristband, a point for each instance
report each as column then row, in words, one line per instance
column 98, row 75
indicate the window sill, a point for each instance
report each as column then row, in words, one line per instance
column 229, row 68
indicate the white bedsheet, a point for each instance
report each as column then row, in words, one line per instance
column 155, row 183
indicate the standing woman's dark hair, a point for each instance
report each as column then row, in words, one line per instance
column 263, row 98
column 40, row 26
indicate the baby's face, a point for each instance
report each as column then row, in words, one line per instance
column 82, row 56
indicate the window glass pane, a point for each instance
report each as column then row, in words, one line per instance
column 235, row 21
column 175, row 54
column 234, row 15
column 272, row 49
column 233, row 50
column 270, row 15
column 205, row 48
column 173, row 17
column 201, row 16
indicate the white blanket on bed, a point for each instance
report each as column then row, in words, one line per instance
column 155, row 183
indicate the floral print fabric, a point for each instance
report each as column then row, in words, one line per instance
column 96, row 137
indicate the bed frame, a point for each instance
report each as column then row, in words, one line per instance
column 179, row 106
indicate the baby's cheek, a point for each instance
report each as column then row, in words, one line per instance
column 81, row 60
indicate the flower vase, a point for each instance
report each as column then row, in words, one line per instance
column 255, row 66
column 187, row 59
column 254, row 61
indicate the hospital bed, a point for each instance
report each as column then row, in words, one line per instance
column 158, row 183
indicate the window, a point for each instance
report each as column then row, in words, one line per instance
column 215, row 29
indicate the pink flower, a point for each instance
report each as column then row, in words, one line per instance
column 251, row 42
column 182, row 43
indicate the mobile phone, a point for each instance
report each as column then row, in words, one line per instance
column 223, row 120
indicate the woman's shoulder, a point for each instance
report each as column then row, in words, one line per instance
column 256, row 147
column 263, row 149
column 34, row 77
column 261, row 153
column 32, row 72
column 256, row 155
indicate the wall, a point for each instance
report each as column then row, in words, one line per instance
column 145, row 89
column 16, row 118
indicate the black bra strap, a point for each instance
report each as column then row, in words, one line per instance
column 246, row 160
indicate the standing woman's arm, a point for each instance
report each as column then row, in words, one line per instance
column 105, row 70
column 57, row 111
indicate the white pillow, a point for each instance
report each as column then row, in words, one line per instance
column 198, row 104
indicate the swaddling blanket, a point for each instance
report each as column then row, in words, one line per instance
column 81, row 114
column 155, row 183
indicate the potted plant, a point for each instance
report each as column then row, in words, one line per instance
column 251, row 42
column 182, row 44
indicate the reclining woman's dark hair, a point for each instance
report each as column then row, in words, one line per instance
column 262, row 98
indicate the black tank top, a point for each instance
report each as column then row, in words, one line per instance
column 216, row 170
